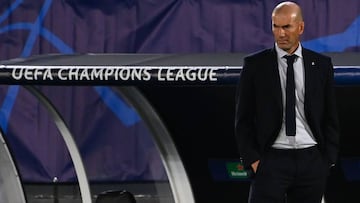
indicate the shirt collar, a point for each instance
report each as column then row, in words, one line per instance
column 281, row 53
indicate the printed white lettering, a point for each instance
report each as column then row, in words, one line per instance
column 147, row 75
column 28, row 75
column 47, row 75
column 212, row 75
column 180, row 74
column 15, row 75
column 166, row 74
column 160, row 78
column 73, row 74
column 108, row 73
column 124, row 74
column 96, row 74
column 191, row 74
column 60, row 74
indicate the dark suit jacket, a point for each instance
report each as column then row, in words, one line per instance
column 259, row 108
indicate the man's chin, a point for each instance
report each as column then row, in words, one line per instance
column 284, row 47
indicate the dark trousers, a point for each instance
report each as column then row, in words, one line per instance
column 291, row 176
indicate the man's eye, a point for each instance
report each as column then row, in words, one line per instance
column 286, row 27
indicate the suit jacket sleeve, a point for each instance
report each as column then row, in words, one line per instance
column 245, row 130
column 331, row 123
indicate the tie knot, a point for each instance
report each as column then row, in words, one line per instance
column 290, row 58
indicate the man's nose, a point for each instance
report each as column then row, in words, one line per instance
column 281, row 32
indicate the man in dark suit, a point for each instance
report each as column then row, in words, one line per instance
column 286, row 120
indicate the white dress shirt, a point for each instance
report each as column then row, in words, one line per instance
column 304, row 137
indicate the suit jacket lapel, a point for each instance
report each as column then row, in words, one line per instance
column 310, row 68
column 276, row 77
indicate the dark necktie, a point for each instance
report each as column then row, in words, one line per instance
column 290, row 123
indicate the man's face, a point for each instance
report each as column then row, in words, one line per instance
column 287, row 31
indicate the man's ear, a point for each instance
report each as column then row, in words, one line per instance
column 301, row 27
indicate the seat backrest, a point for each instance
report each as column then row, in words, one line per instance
column 115, row 196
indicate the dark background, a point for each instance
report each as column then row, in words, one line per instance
column 201, row 120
